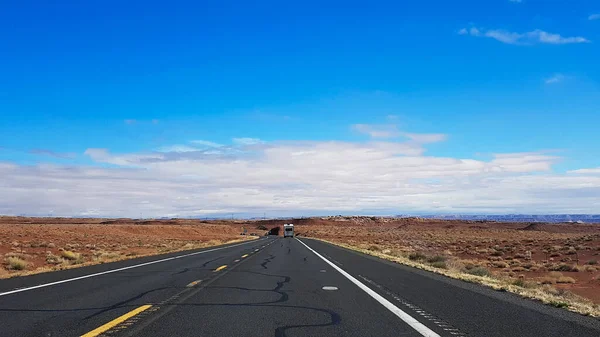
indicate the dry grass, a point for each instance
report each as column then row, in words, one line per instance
column 15, row 263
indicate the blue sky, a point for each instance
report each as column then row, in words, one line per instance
column 97, row 89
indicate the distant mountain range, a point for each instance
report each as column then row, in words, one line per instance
column 552, row 218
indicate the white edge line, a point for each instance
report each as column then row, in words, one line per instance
column 422, row 329
column 116, row 270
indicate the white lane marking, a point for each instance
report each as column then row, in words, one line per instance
column 322, row 270
column 418, row 326
column 116, row 270
column 330, row 288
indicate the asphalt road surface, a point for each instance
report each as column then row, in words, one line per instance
column 270, row 287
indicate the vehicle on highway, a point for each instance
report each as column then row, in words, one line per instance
column 288, row 230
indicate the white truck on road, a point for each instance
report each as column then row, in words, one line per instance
column 288, row 230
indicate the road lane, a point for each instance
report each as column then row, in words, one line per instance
column 472, row 309
column 277, row 287
column 74, row 308
column 283, row 290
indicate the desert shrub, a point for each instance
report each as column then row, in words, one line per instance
column 436, row 258
column 416, row 256
column 565, row 279
column 51, row 245
column 590, row 269
column 555, row 254
column 528, row 265
column 479, row 271
column 592, row 262
column 519, row 256
column 53, row 259
column 523, row 284
column 563, row 267
column 374, row 248
column 439, row 264
column 500, row 264
column 15, row 263
column 497, row 253
column 69, row 255
column 559, row 304
column 547, row 280
column 518, row 269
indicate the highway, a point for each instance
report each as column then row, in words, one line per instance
column 270, row 287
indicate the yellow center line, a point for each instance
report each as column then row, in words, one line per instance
column 116, row 321
column 221, row 267
column 193, row 283
column 244, row 256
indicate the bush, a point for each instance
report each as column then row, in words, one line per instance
column 497, row 253
column 69, row 255
column 437, row 258
column 592, row 262
column 374, row 248
column 563, row 267
column 500, row 264
column 565, row 279
column 479, row 271
column 15, row 263
column 559, row 304
column 439, row 264
column 416, row 256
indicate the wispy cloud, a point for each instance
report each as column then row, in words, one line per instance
column 177, row 148
column 529, row 38
column 247, row 141
column 516, row 1
column 594, row 17
column 557, row 78
column 205, row 143
column 377, row 130
column 586, row 171
column 392, row 131
column 50, row 153
column 130, row 121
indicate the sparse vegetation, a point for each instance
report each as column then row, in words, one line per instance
column 479, row 271
column 15, row 263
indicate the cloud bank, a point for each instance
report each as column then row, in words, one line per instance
column 297, row 178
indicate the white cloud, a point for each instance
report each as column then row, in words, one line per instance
column 555, row 79
column 516, row 1
column 529, row 38
column 377, row 131
column 205, row 143
column 130, row 121
column 177, row 148
column 424, row 138
column 594, row 17
column 299, row 178
column 586, row 171
column 247, row 141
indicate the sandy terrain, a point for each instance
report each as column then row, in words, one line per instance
column 29, row 245
column 555, row 259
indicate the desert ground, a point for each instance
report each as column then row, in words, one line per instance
column 562, row 260
column 33, row 245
